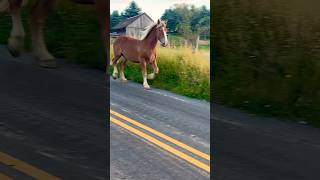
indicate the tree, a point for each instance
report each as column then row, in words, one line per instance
column 115, row 18
column 132, row 10
column 189, row 21
column 172, row 19
column 200, row 21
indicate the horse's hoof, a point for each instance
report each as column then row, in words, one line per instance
column 13, row 51
column 147, row 87
column 115, row 76
column 124, row 80
column 49, row 63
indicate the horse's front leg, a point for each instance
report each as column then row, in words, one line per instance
column 39, row 13
column 155, row 68
column 16, row 39
column 143, row 66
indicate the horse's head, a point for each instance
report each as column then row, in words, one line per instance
column 161, row 32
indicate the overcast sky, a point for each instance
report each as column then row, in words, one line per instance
column 155, row 8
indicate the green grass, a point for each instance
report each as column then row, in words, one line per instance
column 205, row 47
column 71, row 32
column 180, row 71
column 178, row 41
column 266, row 60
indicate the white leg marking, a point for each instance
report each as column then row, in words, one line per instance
column 145, row 82
column 151, row 76
column 115, row 72
column 123, row 78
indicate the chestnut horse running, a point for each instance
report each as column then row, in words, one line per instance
column 140, row 51
column 39, row 13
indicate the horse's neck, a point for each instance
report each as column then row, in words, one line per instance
column 151, row 40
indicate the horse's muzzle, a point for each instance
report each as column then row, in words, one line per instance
column 164, row 44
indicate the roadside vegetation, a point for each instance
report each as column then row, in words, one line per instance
column 266, row 60
column 180, row 71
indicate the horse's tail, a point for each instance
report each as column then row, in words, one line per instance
column 4, row 5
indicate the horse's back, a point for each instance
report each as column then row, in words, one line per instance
column 124, row 41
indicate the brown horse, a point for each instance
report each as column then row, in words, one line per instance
column 140, row 51
column 39, row 13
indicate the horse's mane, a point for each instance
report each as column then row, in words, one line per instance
column 148, row 31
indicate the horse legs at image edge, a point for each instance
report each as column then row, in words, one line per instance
column 38, row 15
column 16, row 39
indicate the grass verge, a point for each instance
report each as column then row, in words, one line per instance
column 180, row 71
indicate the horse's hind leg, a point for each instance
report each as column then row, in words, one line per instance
column 122, row 65
column 115, row 63
column 16, row 39
column 39, row 13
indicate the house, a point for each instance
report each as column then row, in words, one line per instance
column 132, row 26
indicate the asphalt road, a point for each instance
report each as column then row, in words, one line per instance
column 250, row 147
column 53, row 120
column 56, row 121
column 184, row 119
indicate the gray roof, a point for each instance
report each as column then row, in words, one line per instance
column 128, row 21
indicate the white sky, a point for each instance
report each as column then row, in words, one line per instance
column 154, row 8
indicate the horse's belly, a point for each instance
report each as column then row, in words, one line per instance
column 132, row 58
column 131, row 54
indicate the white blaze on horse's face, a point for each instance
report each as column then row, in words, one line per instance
column 162, row 34
column 164, row 38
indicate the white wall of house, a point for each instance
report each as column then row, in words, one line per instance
column 136, row 27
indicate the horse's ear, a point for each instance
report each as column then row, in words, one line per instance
column 158, row 21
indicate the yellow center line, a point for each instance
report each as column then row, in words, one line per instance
column 25, row 168
column 162, row 145
column 174, row 141
column 5, row 177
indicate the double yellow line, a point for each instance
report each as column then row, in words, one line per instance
column 24, row 168
column 160, row 144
